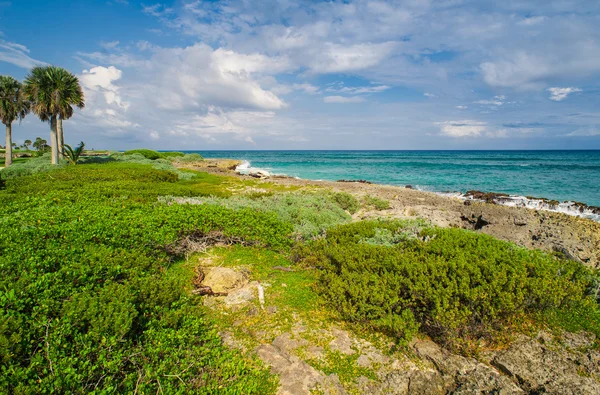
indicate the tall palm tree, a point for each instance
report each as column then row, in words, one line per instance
column 13, row 106
column 53, row 91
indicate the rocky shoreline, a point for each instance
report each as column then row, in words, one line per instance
column 574, row 237
column 532, row 363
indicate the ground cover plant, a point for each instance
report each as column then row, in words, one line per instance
column 92, row 297
column 459, row 287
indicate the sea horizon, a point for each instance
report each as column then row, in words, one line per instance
column 562, row 175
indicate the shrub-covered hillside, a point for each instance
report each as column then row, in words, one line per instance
column 92, row 297
column 95, row 293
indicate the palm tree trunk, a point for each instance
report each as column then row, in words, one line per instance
column 8, row 151
column 61, row 139
column 54, row 139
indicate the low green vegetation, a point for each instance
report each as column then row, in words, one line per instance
column 376, row 203
column 97, row 263
column 459, row 287
column 153, row 155
column 310, row 213
column 90, row 298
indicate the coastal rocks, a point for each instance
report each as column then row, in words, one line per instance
column 464, row 375
column 539, row 366
column 478, row 222
column 358, row 181
column 262, row 174
column 296, row 377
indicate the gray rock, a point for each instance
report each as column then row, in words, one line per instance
column 541, row 368
column 342, row 342
column 296, row 377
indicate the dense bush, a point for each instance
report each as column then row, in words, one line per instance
column 146, row 153
column 376, row 203
column 92, row 298
column 190, row 158
column 171, row 154
column 311, row 213
column 31, row 166
column 346, row 201
column 453, row 284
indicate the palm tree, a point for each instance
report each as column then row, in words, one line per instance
column 26, row 144
column 53, row 91
column 13, row 106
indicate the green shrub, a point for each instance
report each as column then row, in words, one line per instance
column 456, row 286
column 310, row 213
column 171, row 154
column 146, row 153
column 376, row 203
column 346, row 201
column 31, row 166
column 190, row 158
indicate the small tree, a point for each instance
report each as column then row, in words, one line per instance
column 13, row 106
column 73, row 155
column 40, row 145
column 26, row 144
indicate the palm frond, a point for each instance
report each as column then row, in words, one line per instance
column 73, row 155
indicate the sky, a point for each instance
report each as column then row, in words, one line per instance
column 253, row 75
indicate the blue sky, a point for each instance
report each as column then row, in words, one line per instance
column 415, row 74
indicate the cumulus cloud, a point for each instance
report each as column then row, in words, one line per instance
column 99, row 80
column 342, row 99
column 560, row 94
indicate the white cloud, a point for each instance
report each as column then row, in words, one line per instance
column 466, row 128
column 99, row 80
column 18, row 55
column 198, row 75
column 430, row 95
column 342, row 99
column 560, row 94
column 462, row 107
column 363, row 89
column 585, row 132
column 109, row 45
column 307, row 88
column 337, row 58
column 496, row 101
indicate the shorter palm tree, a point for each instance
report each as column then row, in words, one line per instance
column 73, row 155
column 13, row 106
column 26, row 144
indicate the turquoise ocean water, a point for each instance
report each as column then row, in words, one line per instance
column 559, row 175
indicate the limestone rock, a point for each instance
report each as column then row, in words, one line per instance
column 541, row 368
column 224, row 279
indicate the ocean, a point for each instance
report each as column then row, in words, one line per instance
column 557, row 175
